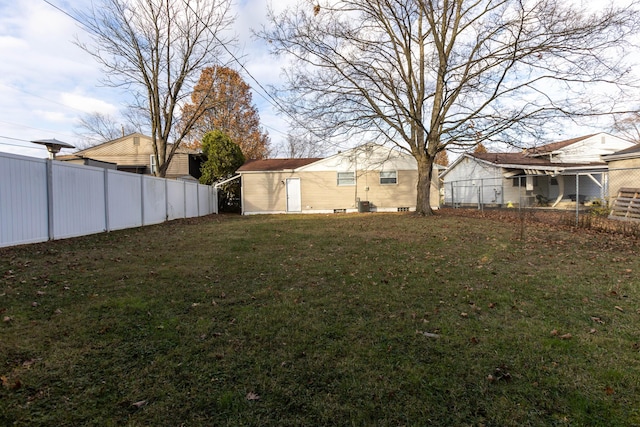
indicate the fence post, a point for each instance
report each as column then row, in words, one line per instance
column 142, row 199
column 49, row 178
column 577, row 199
column 453, row 201
column 107, row 226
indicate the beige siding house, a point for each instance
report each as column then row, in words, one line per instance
column 134, row 153
column 559, row 173
column 366, row 178
column 624, row 169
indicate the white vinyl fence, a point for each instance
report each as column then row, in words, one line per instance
column 44, row 200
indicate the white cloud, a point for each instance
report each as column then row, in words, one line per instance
column 47, row 82
column 88, row 104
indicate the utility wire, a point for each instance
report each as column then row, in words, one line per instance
column 273, row 101
column 266, row 96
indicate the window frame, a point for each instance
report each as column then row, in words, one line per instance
column 343, row 181
column 394, row 178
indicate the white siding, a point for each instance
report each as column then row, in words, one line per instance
column 471, row 182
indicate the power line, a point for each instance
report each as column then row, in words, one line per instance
column 274, row 102
column 17, row 145
column 265, row 95
column 68, row 14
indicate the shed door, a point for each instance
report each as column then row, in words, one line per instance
column 293, row 195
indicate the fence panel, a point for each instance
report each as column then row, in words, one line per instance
column 175, row 200
column 155, row 200
column 43, row 199
column 79, row 202
column 205, row 194
column 125, row 200
column 191, row 197
column 23, row 200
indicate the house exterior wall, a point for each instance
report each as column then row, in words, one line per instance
column 127, row 152
column 590, row 149
column 623, row 173
column 265, row 192
column 471, row 182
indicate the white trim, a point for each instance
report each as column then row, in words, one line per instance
column 152, row 164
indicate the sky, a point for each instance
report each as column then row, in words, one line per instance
column 47, row 83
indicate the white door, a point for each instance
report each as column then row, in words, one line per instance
column 293, row 195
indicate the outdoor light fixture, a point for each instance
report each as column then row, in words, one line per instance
column 53, row 146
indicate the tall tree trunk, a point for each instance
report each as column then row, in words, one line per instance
column 425, row 175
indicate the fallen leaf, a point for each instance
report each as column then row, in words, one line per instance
column 597, row 320
column 566, row 337
column 617, row 307
column 474, row 340
column 554, row 332
column 609, row 391
column 252, row 396
column 592, row 331
column 139, row 404
column 430, row 335
column 492, row 305
column 34, row 304
column 464, row 315
column 7, row 319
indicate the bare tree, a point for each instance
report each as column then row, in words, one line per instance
column 432, row 74
column 157, row 49
column 628, row 126
column 96, row 128
column 301, row 144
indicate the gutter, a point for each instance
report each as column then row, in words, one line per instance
column 218, row 184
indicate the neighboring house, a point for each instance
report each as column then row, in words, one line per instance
column 624, row 169
column 568, row 170
column 134, row 153
column 366, row 178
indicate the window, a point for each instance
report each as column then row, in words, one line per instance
column 136, row 140
column 152, row 164
column 388, row 177
column 346, row 178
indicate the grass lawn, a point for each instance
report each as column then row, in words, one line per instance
column 359, row 320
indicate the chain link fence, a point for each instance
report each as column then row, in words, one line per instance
column 594, row 198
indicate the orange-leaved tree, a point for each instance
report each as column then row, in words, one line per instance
column 480, row 149
column 225, row 101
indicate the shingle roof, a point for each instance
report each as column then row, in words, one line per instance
column 267, row 165
column 510, row 158
column 548, row 148
column 521, row 159
column 630, row 150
